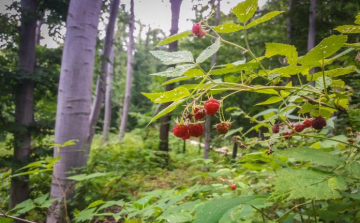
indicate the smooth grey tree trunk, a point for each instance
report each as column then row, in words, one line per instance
column 74, row 100
column 166, row 119
column 312, row 31
column 24, row 100
column 208, row 117
column 105, row 59
column 289, row 22
column 107, row 112
column 129, row 72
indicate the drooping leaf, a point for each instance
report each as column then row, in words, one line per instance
column 167, row 110
column 332, row 73
column 173, row 95
column 271, row 100
column 173, row 38
column 194, row 73
column 175, row 72
column 287, row 71
column 228, row 28
column 294, row 184
column 176, row 80
column 263, row 18
column 245, row 10
column 82, row 177
column 169, row 58
column 208, row 52
column 314, row 156
column 235, row 69
column 324, row 49
column 267, row 91
column 289, row 51
column 348, row 29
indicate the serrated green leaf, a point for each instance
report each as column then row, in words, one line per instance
column 267, row 91
column 228, row 28
column 194, row 73
column 357, row 21
column 294, row 184
column 314, row 156
column 95, row 204
column 85, row 215
column 324, row 49
column 235, row 69
column 208, row 52
column 348, row 29
column 173, row 38
column 245, row 10
column 175, row 72
column 176, row 80
column 319, row 83
column 271, row 100
column 40, row 200
column 289, row 51
column 167, row 110
column 168, row 96
column 263, row 18
column 169, row 58
column 82, row 177
column 337, row 83
column 353, row 169
column 354, row 118
column 286, row 71
column 332, row 73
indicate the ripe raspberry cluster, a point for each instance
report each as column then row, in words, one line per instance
column 317, row 123
column 186, row 129
column 198, row 30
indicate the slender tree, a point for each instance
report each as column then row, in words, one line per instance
column 312, row 31
column 208, row 117
column 105, row 58
column 24, row 99
column 74, row 100
column 109, row 80
column 129, row 72
column 165, row 120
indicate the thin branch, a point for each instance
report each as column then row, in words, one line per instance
column 15, row 218
column 261, row 212
column 296, row 206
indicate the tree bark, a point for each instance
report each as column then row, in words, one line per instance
column 312, row 31
column 166, row 119
column 109, row 80
column 208, row 117
column 105, row 58
column 129, row 72
column 289, row 22
column 24, row 100
column 74, row 100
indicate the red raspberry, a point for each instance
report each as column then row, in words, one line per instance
column 187, row 136
column 275, row 128
column 196, row 129
column 212, row 106
column 233, row 186
column 199, row 112
column 318, row 123
column 180, row 130
column 223, row 127
column 307, row 123
column 299, row 128
column 288, row 135
column 198, row 30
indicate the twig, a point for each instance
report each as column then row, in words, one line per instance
column 296, row 206
column 261, row 212
column 15, row 218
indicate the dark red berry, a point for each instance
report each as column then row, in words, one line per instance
column 223, row 127
column 307, row 123
column 198, row 30
column 275, row 128
column 199, row 113
column 288, row 135
column 180, row 130
column 233, row 186
column 299, row 127
column 212, row 106
column 187, row 136
column 318, row 123
column 196, row 129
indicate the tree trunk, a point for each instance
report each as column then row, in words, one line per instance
column 166, row 119
column 234, row 152
column 312, row 31
column 129, row 67
column 24, row 100
column 105, row 58
column 208, row 117
column 289, row 22
column 74, row 100
column 109, row 80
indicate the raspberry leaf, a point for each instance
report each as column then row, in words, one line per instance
column 167, row 110
column 332, row 73
column 236, row 69
column 289, row 51
column 245, row 10
column 173, row 95
column 169, row 58
column 271, row 100
column 228, row 28
column 348, row 29
column 208, row 52
column 174, row 38
column 264, row 18
column 175, row 72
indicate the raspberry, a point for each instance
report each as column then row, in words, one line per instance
column 180, row 130
column 233, row 186
column 199, row 113
column 288, row 135
column 299, row 128
column 318, row 123
column 196, row 129
column 307, row 123
column 275, row 128
column 212, row 106
column 187, row 136
column 198, row 30
column 223, row 127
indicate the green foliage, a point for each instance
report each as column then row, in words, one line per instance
column 174, row 38
column 173, row 95
column 245, row 10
